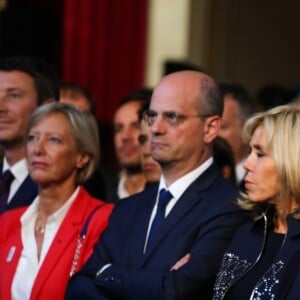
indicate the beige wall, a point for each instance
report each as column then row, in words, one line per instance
column 256, row 42
column 251, row 42
column 168, row 35
column 200, row 32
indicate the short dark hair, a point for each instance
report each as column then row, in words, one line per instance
column 45, row 78
column 83, row 91
column 241, row 97
column 142, row 95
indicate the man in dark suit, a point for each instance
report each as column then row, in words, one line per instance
column 172, row 251
column 25, row 84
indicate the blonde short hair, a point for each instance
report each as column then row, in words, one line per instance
column 84, row 130
column 282, row 126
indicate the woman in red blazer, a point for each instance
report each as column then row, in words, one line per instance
column 43, row 244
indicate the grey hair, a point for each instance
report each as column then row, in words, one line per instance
column 84, row 130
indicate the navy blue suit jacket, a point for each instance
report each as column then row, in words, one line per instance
column 25, row 195
column 201, row 223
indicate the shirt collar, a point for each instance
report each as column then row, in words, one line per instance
column 19, row 169
column 57, row 216
column 178, row 187
column 121, row 191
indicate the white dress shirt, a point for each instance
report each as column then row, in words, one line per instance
column 29, row 265
column 121, row 190
column 177, row 188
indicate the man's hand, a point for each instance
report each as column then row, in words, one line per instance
column 182, row 261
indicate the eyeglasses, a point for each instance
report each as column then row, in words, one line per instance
column 170, row 117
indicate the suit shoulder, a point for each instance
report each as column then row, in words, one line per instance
column 225, row 187
column 136, row 202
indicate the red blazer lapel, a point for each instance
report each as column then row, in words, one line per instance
column 61, row 252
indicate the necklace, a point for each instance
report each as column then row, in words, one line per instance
column 40, row 228
column 40, row 223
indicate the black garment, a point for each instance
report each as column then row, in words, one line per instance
column 95, row 185
column 244, row 287
column 281, row 280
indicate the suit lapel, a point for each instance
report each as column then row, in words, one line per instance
column 191, row 197
column 68, row 231
column 141, row 226
column 25, row 195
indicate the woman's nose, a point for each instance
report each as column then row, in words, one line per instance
column 38, row 147
column 247, row 163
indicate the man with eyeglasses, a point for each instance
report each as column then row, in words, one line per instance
column 167, row 242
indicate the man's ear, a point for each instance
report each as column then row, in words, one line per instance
column 211, row 128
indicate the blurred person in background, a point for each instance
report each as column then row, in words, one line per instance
column 102, row 179
column 126, row 132
column 78, row 96
column 238, row 106
column 224, row 159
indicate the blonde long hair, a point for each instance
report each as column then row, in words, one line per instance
column 282, row 126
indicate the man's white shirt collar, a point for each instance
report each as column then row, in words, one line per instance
column 178, row 187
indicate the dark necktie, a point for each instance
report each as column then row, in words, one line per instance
column 5, row 182
column 164, row 198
